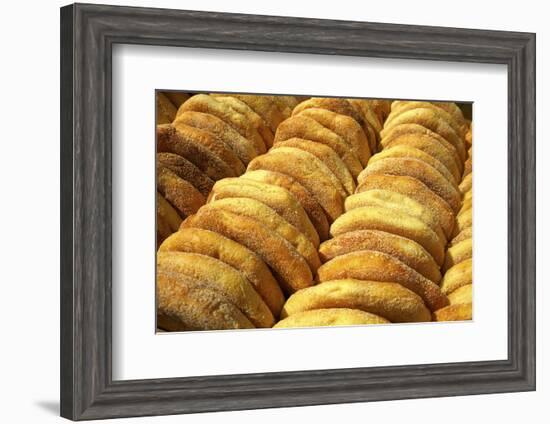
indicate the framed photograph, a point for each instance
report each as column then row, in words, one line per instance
column 262, row 212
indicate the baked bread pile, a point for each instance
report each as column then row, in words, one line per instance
column 213, row 274
column 387, row 249
column 335, row 212
column 168, row 103
column 457, row 268
column 210, row 137
column 265, row 225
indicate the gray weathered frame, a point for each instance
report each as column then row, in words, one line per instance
column 88, row 33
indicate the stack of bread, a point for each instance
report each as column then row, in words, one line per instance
column 233, row 262
column 167, row 103
column 457, row 268
column 315, row 212
column 383, row 262
column 208, row 138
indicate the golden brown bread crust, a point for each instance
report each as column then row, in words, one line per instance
column 277, row 198
column 168, row 219
column 383, row 219
column 457, row 253
column 304, row 155
column 186, row 171
column 284, row 104
column 180, row 193
column 367, row 112
column 253, row 118
column 466, row 184
column 176, row 97
column 289, row 101
column 457, row 276
column 170, row 140
column 416, row 190
column 431, row 120
column 342, row 107
column 466, row 196
column 241, row 146
column 398, row 202
column 163, row 229
column 458, row 312
column 302, row 126
column 461, row 295
column 420, row 170
column 221, row 278
column 466, row 201
column 468, row 166
column 403, row 151
column 372, row 135
column 468, row 138
column 381, row 107
column 337, row 105
column 454, row 111
column 290, row 268
column 344, row 126
column 308, row 202
column 308, row 175
column 407, row 251
column 256, row 210
column 185, row 303
column 209, row 243
column 447, row 156
column 463, row 235
column 371, row 124
column 264, row 106
column 463, row 220
column 413, row 130
column 388, row 300
column 399, row 107
column 208, row 104
column 371, row 265
column 166, row 111
column 330, row 317
column 326, row 155
column 212, row 143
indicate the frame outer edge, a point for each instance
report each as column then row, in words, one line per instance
column 522, row 214
column 529, row 144
column 67, row 383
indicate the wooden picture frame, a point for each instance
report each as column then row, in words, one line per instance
column 88, row 33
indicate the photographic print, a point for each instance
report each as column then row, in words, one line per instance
column 290, row 211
